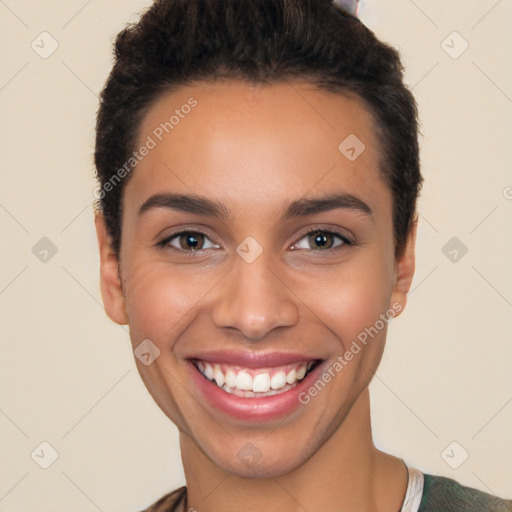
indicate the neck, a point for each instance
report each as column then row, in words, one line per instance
column 347, row 473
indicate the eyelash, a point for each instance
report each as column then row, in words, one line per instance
column 164, row 243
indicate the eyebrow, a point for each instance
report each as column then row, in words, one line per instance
column 191, row 203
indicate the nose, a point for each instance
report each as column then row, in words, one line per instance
column 254, row 299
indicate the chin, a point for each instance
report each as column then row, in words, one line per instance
column 268, row 455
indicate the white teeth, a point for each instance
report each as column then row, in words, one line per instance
column 208, row 370
column 249, row 382
column 291, row 377
column 244, row 381
column 261, row 383
column 230, row 379
column 278, row 381
column 218, row 375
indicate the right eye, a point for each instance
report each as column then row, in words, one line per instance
column 187, row 241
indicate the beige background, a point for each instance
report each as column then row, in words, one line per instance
column 67, row 373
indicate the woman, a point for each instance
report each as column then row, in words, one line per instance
column 259, row 170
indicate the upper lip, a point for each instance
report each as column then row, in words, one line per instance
column 251, row 359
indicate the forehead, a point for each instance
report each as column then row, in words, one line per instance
column 245, row 143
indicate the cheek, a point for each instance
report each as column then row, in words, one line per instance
column 157, row 299
column 350, row 299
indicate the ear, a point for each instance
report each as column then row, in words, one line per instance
column 404, row 268
column 110, row 282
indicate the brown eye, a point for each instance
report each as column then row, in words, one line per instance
column 188, row 241
column 192, row 241
column 322, row 240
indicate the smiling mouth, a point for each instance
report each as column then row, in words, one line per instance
column 255, row 382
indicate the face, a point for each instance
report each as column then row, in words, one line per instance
column 255, row 252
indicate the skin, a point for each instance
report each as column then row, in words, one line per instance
column 255, row 149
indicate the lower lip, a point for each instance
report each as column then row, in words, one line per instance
column 256, row 409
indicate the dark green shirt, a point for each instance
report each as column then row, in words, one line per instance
column 440, row 494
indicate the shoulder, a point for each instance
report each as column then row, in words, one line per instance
column 172, row 502
column 442, row 494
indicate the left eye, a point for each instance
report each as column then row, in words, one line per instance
column 324, row 240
